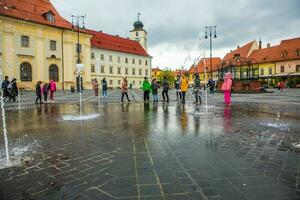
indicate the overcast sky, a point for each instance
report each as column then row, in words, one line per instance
column 176, row 28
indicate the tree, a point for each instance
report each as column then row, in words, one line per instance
column 166, row 73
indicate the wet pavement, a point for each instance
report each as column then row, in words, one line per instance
column 152, row 151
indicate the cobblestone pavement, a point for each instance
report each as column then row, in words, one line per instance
column 140, row 151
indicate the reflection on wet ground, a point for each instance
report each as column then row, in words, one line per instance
column 151, row 151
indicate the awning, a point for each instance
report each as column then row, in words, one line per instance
column 281, row 75
column 295, row 74
column 265, row 76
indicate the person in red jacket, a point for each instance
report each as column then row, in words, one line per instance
column 52, row 87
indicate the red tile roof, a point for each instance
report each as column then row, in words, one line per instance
column 115, row 43
column 272, row 54
column 200, row 67
column 243, row 51
column 33, row 11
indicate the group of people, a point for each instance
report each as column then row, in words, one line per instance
column 43, row 89
column 10, row 89
column 96, row 87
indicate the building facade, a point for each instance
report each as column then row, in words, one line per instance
column 114, row 57
column 37, row 44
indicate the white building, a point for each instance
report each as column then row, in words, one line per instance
column 113, row 57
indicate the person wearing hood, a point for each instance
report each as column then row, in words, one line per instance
column 52, row 87
column 124, row 89
column 14, row 90
column 226, row 87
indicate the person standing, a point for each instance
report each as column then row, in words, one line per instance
column 281, row 86
column 124, row 89
column 177, row 88
column 14, row 90
column 5, row 84
column 96, row 87
column 154, row 88
column 52, row 90
column 197, row 89
column 184, row 83
column 165, row 86
column 211, row 86
column 45, row 89
column 226, row 87
column 146, row 89
column 38, row 92
column 104, row 88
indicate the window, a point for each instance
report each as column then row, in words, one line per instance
column 133, row 61
column 146, row 72
column 93, row 69
column 270, row 71
column 24, row 41
column 297, row 68
column 52, row 45
column 133, row 82
column 136, row 34
column 140, row 72
column 92, row 55
column 110, row 58
column 146, row 62
column 119, row 82
column 119, row 60
column 119, row 70
column 126, row 71
column 50, row 17
column 298, row 52
column 140, row 62
column 126, row 60
column 281, row 68
column 111, row 82
column 110, row 69
column 284, row 54
column 25, row 72
column 133, row 71
column 102, row 69
column 53, row 73
column 78, row 48
column 102, row 56
column 262, row 72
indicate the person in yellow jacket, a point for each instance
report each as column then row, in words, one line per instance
column 184, row 83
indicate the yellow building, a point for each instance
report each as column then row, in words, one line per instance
column 37, row 44
column 155, row 73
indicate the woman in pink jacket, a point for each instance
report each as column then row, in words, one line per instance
column 52, row 87
column 226, row 87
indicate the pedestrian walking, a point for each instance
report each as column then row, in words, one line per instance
column 154, row 88
column 95, row 87
column 124, row 89
column 177, row 88
column 226, row 87
column 281, row 86
column 146, row 89
column 52, row 89
column 184, row 83
column 14, row 92
column 104, row 88
column 45, row 91
column 38, row 92
column 211, row 86
column 165, row 86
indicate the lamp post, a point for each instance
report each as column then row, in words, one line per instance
column 210, row 31
column 78, row 22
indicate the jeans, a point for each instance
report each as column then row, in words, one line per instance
column 124, row 94
column 39, row 97
column 104, row 93
column 45, row 96
column 146, row 95
column 52, row 95
column 183, row 96
column 165, row 95
column 155, row 97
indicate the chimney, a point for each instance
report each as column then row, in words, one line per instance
column 268, row 45
column 260, row 43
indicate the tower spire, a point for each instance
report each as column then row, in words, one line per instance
column 138, row 17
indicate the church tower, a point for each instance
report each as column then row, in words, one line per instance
column 138, row 33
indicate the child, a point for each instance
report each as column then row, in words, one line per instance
column 154, row 87
column 38, row 92
column 226, row 87
column 52, row 87
column 45, row 89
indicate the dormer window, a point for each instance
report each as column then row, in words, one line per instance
column 284, row 54
column 298, row 52
column 49, row 16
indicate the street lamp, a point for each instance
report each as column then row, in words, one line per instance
column 210, row 31
column 78, row 21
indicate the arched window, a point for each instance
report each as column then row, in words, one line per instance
column 53, row 73
column 25, row 72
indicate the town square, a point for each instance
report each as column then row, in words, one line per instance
column 131, row 101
